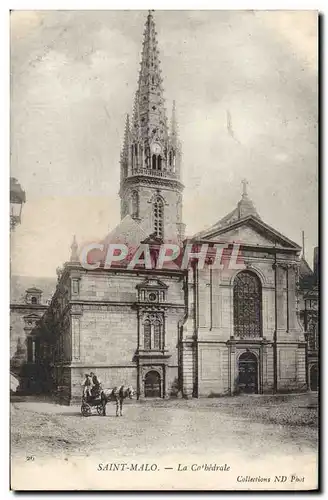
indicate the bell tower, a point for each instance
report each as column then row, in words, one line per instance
column 150, row 186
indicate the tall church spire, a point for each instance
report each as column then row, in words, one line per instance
column 151, row 188
column 149, row 110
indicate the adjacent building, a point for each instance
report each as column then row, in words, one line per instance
column 309, row 313
column 29, row 300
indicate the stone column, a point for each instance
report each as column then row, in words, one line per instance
column 281, row 310
column 163, row 341
column 292, row 318
column 188, row 369
column 140, row 333
column 76, row 340
column 188, row 336
column 189, row 326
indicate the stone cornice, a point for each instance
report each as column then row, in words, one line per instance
column 29, row 307
column 153, row 273
column 152, row 181
column 77, row 304
column 285, row 265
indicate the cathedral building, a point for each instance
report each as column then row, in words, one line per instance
column 208, row 328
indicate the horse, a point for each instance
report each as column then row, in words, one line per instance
column 118, row 394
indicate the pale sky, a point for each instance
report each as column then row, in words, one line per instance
column 74, row 75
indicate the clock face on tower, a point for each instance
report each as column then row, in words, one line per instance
column 156, row 148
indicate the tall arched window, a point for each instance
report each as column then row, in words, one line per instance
column 247, row 305
column 154, row 162
column 147, row 335
column 158, row 216
column 134, row 204
column 157, row 334
column 153, row 332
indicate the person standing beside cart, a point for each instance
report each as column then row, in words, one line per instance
column 87, row 386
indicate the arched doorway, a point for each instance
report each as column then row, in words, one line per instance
column 152, row 384
column 314, row 377
column 248, row 373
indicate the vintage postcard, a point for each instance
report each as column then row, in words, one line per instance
column 164, row 250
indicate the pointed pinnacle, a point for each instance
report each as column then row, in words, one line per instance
column 174, row 124
column 74, row 247
column 126, row 136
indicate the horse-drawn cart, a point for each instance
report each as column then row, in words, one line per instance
column 88, row 404
column 99, row 401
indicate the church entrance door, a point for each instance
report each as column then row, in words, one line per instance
column 314, row 378
column 247, row 373
column 152, row 385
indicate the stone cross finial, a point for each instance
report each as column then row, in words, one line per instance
column 244, row 183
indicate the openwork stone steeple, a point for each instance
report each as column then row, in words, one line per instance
column 151, row 153
column 149, row 112
column 148, row 147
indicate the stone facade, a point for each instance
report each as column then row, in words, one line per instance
column 205, row 330
column 214, row 346
column 100, row 327
column 28, row 304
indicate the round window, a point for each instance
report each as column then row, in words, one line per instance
column 152, row 296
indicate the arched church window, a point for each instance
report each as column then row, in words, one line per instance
column 153, row 332
column 157, row 335
column 158, row 209
column 247, row 305
column 159, row 162
column 134, row 204
column 147, row 335
column 153, row 162
column 34, row 300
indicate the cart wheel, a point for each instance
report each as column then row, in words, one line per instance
column 85, row 410
column 99, row 409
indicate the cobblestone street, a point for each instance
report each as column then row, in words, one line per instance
column 171, row 432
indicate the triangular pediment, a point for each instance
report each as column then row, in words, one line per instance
column 250, row 231
column 33, row 290
column 152, row 283
column 32, row 317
